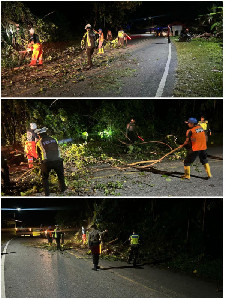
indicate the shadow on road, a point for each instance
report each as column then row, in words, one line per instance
column 124, row 267
column 171, row 174
column 8, row 253
column 215, row 157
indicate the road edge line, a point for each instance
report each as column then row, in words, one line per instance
column 3, row 295
column 165, row 74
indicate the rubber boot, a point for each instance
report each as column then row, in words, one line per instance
column 207, row 168
column 187, row 172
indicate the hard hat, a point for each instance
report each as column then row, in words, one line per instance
column 31, row 30
column 88, row 26
column 100, row 29
column 33, row 126
column 42, row 130
column 192, row 120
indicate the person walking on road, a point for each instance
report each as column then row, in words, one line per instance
column 48, row 151
column 134, row 246
column 94, row 241
column 196, row 146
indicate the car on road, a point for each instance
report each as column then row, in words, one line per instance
column 29, row 231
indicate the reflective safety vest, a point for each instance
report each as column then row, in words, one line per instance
column 204, row 125
column 121, row 34
column 101, row 37
column 197, row 138
column 134, row 239
column 30, row 149
column 48, row 148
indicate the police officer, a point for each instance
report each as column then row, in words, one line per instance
column 134, row 246
column 196, row 146
column 30, row 144
column 205, row 125
column 88, row 43
column 132, row 131
column 48, row 151
column 94, row 241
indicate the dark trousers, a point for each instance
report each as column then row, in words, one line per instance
column 50, row 239
column 90, row 52
column 134, row 250
column 57, row 166
column 132, row 136
column 58, row 244
column 95, row 250
column 192, row 155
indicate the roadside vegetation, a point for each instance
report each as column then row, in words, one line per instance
column 200, row 68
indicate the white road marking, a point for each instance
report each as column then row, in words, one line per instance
column 3, row 271
column 165, row 74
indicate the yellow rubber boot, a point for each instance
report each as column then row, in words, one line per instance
column 187, row 172
column 207, row 168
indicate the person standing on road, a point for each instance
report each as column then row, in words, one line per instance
column 84, row 238
column 134, row 246
column 48, row 151
column 88, row 43
column 57, row 236
column 100, row 41
column 205, row 125
column 169, row 33
column 49, row 235
column 132, row 131
column 196, row 146
column 94, row 241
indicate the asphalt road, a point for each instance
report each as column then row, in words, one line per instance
column 164, row 179
column 36, row 273
column 152, row 58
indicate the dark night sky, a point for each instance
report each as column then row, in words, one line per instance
column 40, row 211
column 76, row 13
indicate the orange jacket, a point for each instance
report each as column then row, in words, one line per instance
column 197, row 138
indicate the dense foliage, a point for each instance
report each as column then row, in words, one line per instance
column 106, row 120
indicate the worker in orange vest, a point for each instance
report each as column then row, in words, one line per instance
column 196, row 145
column 36, row 47
column 30, row 144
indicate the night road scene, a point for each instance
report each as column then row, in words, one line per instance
column 112, row 248
column 112, row 49
column 148, row 147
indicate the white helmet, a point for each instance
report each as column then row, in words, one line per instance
column 88, row 26
column 32, row 30
column 33, row 126
column 42, row 130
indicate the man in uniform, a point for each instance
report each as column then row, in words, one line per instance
column 132, row 131
column 94, row 241
column 134, row 246
column 48, row 151
column 30, row 144
column 196, row 146
column 205, row 125
column 88, row 43
column 36, row 46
